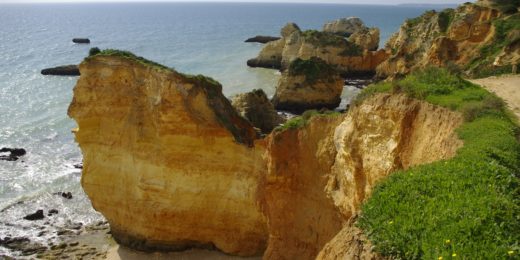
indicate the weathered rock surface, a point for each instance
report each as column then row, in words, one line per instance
column 302, row 219
column 309, row 84
column 262, row 39
column 345, row 26
column 81, row 40
column 453, row 38
column 256, row 107
column 384, row 134
column 67, row 70
column 351, row 57
column 167, row 159
column 38, row 215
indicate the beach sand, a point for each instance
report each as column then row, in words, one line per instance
column 507, row 87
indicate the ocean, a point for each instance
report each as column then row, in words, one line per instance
column 197, row 38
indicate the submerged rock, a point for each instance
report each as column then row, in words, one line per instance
column 81, row 40
column 256, row 107
column 262, row 39
column 14, row 153
column 67, row 70
column 308, row 84
column 38, row 215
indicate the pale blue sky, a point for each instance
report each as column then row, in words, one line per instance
column 386, row 2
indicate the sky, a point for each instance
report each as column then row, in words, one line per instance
column 386, row 2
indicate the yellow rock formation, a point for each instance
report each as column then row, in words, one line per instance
column 167, row 160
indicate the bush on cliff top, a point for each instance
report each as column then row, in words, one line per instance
column 467, row 207
column 301, row 121
column 313, row 69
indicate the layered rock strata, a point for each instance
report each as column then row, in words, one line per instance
column 167, row 160
column 350, row 56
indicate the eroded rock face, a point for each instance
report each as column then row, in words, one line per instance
column 310, row 84
column 167, row 160
column 384, row 134
column 345, row 26
column 302, row 219
column 351, row 57
column 451, row 38
column 256, row 107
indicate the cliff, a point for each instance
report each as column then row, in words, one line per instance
column 172, row 165
column 351, row 55
column 474, row 38
column 166, row 158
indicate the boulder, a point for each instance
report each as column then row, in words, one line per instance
column 38, row 215
column 344, row 26
column 67, row 70
column 308, row 84
column 256, row 107
column 262, row 39
column 81, row 40
column 14, row 153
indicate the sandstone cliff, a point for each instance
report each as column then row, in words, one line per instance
column 472, row 38
column 256, row 107
column 166, row 158
column 172, row 165
column 351, row 56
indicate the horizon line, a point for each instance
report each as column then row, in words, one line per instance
column 217, row 1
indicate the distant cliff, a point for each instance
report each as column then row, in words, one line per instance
column 476, row 39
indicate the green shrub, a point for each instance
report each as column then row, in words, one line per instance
column 94, row 51
column 314, row 69
column 323, row 39
column 301, row 121
column 445, row 19
column 467, row 207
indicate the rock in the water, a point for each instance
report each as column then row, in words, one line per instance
column 344, row 26
column 262, row 39
column 308, row 84
column 256, row 107
column 38, row 215
column 78, row 165
column 81, row 40
column 67, row 70
column 14, row 153
column 66, row 195
column 52, row 212
column 352, row 57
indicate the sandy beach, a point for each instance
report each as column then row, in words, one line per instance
column 507, row 87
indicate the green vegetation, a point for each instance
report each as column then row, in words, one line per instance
column 445, row 18
column 351, row 49
column 323, row 39
column 314, row 69
column 301, row 121
column 467, row 207
column 94, row 51
column 507, row 6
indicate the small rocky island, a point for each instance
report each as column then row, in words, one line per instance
column 66, row 70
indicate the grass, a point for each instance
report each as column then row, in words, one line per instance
column 445, row 19
column 301, row 121
column 467, row 207
column 314, row 69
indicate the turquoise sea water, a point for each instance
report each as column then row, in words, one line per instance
column 199, row 38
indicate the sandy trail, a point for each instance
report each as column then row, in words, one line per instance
column 507, row 87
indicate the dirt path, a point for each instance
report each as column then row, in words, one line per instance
column 507, row 87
